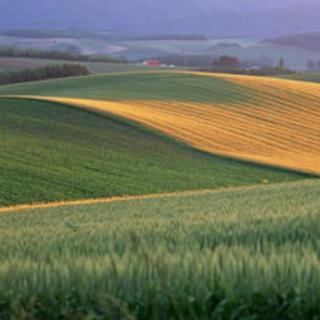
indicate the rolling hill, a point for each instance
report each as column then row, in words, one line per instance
column 270, row 121
column 56, row 153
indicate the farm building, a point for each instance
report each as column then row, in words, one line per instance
column 152, row 63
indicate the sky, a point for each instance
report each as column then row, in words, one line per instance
column 212, row 17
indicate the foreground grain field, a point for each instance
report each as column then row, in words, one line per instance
column 271, row 121
column 131, row 230
column 243, row 253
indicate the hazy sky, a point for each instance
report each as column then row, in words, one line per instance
column 239, row 5
column 253, row 5
column 216, row 17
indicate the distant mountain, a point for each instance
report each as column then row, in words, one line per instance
column 251, row 18
column 309, row 41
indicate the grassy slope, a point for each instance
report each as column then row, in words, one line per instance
column 51, row 152
column 136, row 86
column 251, row 118
column 244, row 117
column 229, row 254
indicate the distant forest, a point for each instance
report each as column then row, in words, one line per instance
column 45, row 34
column 12, row 52
column 45, row 73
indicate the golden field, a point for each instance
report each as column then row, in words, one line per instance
column 279, row 124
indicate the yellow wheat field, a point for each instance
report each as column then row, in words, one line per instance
column 278, row 125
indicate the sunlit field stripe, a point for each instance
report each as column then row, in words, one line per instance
column 279, row 124
column 216, row 117
column 217, row 129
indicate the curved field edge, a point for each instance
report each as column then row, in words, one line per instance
column 238, row 81
column 196, row 125
column 56, row 153
column 225, row 254
column 129, row 198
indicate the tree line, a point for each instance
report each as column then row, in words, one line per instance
column 234, row 65
column 13, row 52
column 45, row 73
column 227, row 64
column 52, row 34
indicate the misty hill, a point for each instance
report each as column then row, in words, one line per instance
column 210, row 17
column 310, row 41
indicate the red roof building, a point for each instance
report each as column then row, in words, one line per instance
column 152, row 63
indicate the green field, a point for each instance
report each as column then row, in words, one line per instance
column 155, row 85
column 250, row 253
column 51, row 152
column 146, row 85
column 232, row 240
